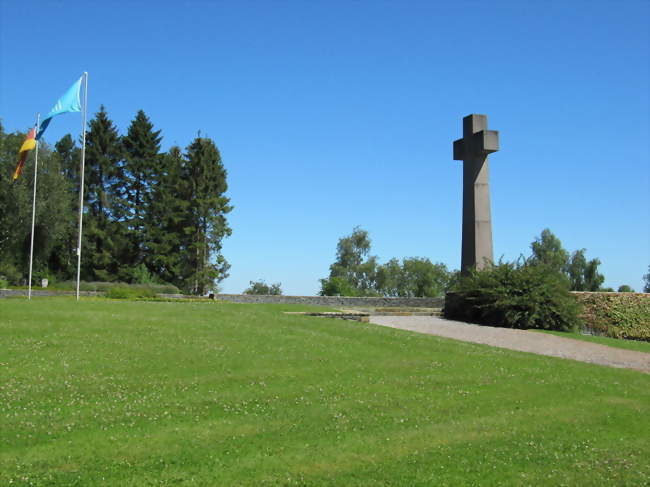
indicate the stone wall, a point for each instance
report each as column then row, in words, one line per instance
column 331, row 301
column 336, row 301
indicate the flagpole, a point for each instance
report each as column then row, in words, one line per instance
column 31, row 245
column 81, row 189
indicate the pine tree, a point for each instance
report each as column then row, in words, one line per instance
column 167, row 217
column 103, row 238
column 141, row 177
column 206, row 225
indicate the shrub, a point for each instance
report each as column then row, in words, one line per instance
column 625, row 289
column 130, row 292
column 3, row 283
column 337, row 286
column 515, row 295
column 10, row 273
column 624, row 315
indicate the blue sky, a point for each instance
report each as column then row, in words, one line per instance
column 341, row 113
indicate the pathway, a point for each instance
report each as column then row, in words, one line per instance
column 521, row 340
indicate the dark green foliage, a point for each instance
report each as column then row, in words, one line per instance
column 204, row 225
column 625, row 289
column 54, row 211
column 514, row 295
column 142, row 173
column 646, row 279
column 104, row 238
column 148, row 217
column 262, row 288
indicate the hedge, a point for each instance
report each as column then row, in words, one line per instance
column 616, row 315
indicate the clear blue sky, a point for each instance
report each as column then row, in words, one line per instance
column 331, row 114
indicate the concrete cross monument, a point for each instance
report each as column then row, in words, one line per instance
column 473, row 150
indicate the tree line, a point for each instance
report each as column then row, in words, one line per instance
column 356, row 272
column 149, row 216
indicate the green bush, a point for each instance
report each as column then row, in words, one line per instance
column 515, row 295
column 130, row 292
column 624, row 315
column 10, row 273
column 3, row 283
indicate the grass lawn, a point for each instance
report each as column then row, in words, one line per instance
column 136, row 393
column 610, row 342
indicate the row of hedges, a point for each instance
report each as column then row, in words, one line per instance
column 617, row 315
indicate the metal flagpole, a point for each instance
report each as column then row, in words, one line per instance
column 81, row 189
column 31, row 246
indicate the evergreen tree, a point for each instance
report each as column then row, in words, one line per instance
column 68, row 156
column 167, row 217
column 103, row 237
column 141, row 175
column 206, row 225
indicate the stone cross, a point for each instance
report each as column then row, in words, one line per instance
column 473, row 150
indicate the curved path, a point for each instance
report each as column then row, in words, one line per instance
column 521, row 340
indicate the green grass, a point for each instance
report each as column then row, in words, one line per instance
column 128, row 393
column 611, row 342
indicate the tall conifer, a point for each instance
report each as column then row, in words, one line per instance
column 167, row 217
column 206, row 225
column 103, row 238
column 141, row 176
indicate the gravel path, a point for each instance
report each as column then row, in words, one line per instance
column 521, row 340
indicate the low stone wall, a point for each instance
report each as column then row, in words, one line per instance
column 336, row 301
column 331, row 301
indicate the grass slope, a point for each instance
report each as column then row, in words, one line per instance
column 635, row 345
column 135, row 393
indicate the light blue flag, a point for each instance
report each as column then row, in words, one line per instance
column 69, row 102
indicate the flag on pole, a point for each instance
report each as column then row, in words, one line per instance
column 69, row 102
column 28, row 144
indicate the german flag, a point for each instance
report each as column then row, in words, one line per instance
column 28, row 144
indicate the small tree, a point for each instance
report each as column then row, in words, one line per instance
column 547, row 250
column 583, row 274
column 262, row 288
column 353, row 269
column 625, row 289
column 646, row 278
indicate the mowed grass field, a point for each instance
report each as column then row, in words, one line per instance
column 152, row 393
